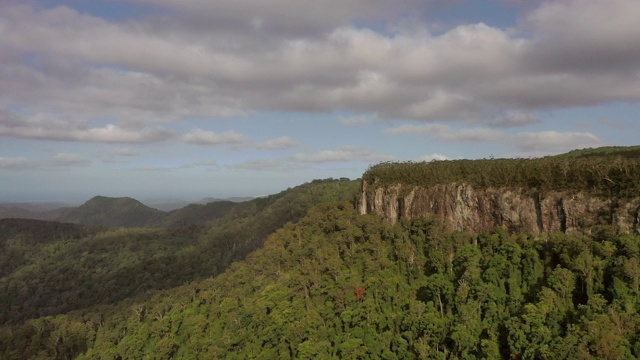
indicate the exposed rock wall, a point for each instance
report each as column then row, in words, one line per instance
column 465, row 208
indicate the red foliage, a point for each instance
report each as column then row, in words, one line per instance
column 359, row 294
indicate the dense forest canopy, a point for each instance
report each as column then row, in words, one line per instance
column 300, row 275
column 339, row 285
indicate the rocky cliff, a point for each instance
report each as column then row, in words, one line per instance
column 464, row 208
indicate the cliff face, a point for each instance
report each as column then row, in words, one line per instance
column 465, row 208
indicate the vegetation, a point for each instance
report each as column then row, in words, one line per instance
column 300, row 275
column 632, row 152
column 106, row 211
column 55, row 274
column 606, row 172
column 339, row 285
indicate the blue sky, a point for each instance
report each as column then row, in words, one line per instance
column 187, row 99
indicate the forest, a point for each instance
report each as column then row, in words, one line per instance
column 300, row 275
column 602, row 172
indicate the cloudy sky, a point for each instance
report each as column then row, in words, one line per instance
column 194, row 98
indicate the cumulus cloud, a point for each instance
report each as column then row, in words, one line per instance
column 281, row 143
column 229, row 138
column 586, row 36
column 282, row 17
column 213, row 59
column 343, row 154
column 47, row 127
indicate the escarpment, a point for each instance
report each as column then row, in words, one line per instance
column 462, row 207
column 565, row 193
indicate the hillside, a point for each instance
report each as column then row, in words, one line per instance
column 54, row 277
column 338, row 285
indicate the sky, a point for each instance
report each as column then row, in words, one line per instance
column 185, row 99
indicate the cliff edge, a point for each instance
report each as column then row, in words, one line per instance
column 568, row 194
column 464, row 208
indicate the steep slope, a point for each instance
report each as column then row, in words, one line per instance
column 341, row 286
column 563, row 193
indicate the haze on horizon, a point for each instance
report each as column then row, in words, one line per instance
column 216, row 98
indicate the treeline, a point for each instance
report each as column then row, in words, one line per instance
column 49, row 268
column 337, row 285
column 611, row 175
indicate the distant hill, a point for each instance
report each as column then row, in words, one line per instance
column 171, row 204
column 105, row 211
column 122, row 212
column 196, row 214
column 15, row 212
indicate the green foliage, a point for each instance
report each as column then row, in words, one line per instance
column 49, row 268
column 428, row 294
column 625, row 151
column 612, row 173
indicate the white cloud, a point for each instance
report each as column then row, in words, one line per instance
column 14, row 163
column 281, row 143
column 526, row 143
column 214, row 59
column 343, row 154
column 48, row 127
column 229, row 138
column 432, row 157
column 586, row 36
column 546, row 142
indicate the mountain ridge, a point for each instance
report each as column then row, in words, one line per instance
column 566, row 193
